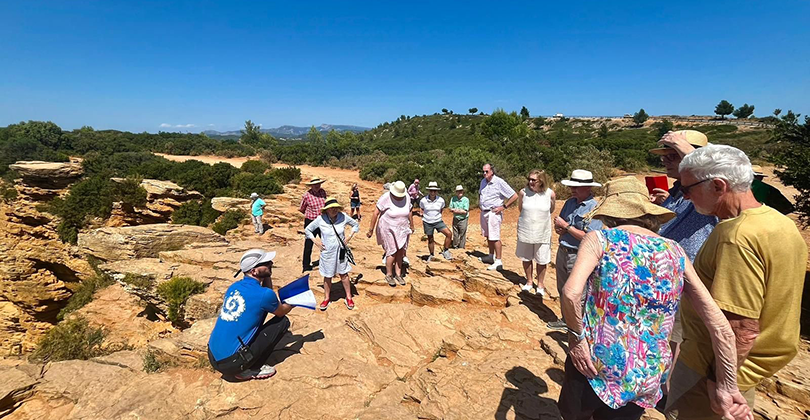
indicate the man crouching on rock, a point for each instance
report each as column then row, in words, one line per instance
column 240, row 344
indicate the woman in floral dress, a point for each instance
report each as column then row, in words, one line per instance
column 633, row 280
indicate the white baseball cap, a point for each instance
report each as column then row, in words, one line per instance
column 253, row 257
column 254, row 195
column 459, row 188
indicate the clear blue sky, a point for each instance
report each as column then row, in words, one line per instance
column 211, row 65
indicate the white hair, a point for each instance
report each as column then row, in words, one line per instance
column 720, row 161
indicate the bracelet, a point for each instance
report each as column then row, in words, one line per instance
column 580, row 336
column 568, row 227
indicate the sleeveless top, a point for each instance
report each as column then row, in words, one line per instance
column 631, row 302
column 534, row 223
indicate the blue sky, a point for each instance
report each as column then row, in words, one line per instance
column 199, row 65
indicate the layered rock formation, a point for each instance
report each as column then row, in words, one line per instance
column 162, row 199
column 37, row 271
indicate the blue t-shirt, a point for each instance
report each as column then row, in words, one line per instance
column 245, row 307
column 256, row 208
column 689, row 228
column 574, row 213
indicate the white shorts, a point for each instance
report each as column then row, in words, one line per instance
column 540, row 253
column 491, row 225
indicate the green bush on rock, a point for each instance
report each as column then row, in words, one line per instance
column 68, row 340
column 230, row 220
column 175, row 292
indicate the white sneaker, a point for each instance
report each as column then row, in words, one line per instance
column 541, row 291
column 429, row 258
column 405, row 261
column 446, row 255
column 265, row 371
column 526, row 288
column 496, row 265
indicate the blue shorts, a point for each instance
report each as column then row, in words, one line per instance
column 430, row 227
column 355, row 205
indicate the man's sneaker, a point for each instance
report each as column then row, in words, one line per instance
column 541, row 291
column 489, row 259
column 400, row 280
column 527, row 288
column 495, row 265
column 558, row 325
column 446, row 255
column 405, row 261
column 429, row 258
column 391, row 281
column 265, row 371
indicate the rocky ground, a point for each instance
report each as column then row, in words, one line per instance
column 457, row 342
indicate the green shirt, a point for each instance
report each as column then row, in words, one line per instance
column 463, row 204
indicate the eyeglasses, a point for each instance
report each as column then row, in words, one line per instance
column 685, row 188
column 485, row 171
column 532, row 179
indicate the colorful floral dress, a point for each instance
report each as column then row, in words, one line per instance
column 632, row 299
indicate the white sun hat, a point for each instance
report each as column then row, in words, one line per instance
column 580, row 178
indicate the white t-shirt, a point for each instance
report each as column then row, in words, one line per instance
column 432, row 210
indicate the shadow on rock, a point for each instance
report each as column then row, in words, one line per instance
column 526, row 397
column 561, row 339
column 513, row 277
column 536, row 304
column 292, row 344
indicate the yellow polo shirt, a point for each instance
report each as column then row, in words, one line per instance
column 754, row 266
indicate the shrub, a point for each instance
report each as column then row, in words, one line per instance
column 175, row 292
column 7, row 194
column 286, row 175
column 84, row 294
column 198, row 213
column 68, row 340
column 255, row 167
column 138, row 281
column 230, row 220
column 246, row 183
column 151, row 362
column 130, row 192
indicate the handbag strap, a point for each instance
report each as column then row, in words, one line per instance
column 336, row 232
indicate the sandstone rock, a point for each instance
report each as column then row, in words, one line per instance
column 386, row 294
column 112, row 244
column 487, row 283
column 435, row 291
column 224, row 204
column 48, row 175
column 16, row 387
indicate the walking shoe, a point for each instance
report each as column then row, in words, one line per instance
column 526, row 288
column 429, row 258
column 495, row 265
column 558, row 325
column 350, row 304
column 400, row 280
column 265, row 371
column 541, row 291
column 391, row 281
column 489, row 259
column 305, row 269
column 446, row 255
column 405, row 261
column 323, row 305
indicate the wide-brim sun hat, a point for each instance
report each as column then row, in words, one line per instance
column 253, row 257
column 331, row 203
column 254, row 195
column 628, row 198
column 459, row 188
column 315, row 181
column 433, row 185
column 693, row 137
column 398, row 189
column 580, row 178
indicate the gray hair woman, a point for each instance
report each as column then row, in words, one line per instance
column 619, row 352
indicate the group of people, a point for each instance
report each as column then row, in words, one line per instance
column 623, row 266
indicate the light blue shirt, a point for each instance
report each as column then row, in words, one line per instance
column 256, row 208
column 689, row 228
column 574, row 213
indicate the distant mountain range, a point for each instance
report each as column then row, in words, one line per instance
column 289, row 131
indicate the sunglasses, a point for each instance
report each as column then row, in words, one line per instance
column 532, row 179
column 485, row 171
column 685, row 188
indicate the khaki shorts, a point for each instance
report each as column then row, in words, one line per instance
column 688, row 397
column 539, row 253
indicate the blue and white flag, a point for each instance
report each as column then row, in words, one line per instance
column 297, row 293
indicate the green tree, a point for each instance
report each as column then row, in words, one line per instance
column 665, row 126
column 640, row 117
column 724, row 108
column 777, row 111
column 251, row 133
column 744, row 111
column 793, row 152
column 504, row 128
column 314, row 136
column 473, row 110
column 444, row 111
column 524, row 113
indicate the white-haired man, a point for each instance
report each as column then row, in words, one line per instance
column 494, row 197
column 241, row 341
column 753, row 263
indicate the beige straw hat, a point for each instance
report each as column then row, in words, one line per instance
column 627, row 198
column 694, row 137
column 315, row 180
column 398, row 189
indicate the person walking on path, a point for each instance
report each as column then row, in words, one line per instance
column 241, row 341
column 393, row 221
column 256, row 213
column 494, row 196
column 536, row 204
column 689, row 228
column 460, row 207
column 572, row 224
column 414, row 193
column 754, row 263
column 432, row 206
column 635, row 280
column 333, row 244
column 311, row 205
column 355, row 202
